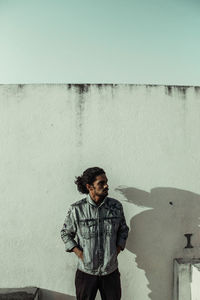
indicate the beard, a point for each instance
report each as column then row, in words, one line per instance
column 101, row 193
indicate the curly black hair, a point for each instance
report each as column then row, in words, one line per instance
column 88, row 176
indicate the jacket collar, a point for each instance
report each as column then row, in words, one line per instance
column 88, row 198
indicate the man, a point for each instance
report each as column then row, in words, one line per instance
column 96, row 231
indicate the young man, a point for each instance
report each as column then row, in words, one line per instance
column 96, row 231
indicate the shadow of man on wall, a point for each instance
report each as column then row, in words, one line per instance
column 156, row 235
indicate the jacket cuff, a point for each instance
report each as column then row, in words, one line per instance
column 121, row 242
column 70, row 245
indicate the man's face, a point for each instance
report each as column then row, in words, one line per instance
column 100, row 186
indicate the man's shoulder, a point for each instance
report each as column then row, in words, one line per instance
column 114, row 202
column 79, row 203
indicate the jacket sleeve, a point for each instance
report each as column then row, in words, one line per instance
column 68, row 231
column 123, row 230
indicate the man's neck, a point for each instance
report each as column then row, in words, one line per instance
column 97, row 199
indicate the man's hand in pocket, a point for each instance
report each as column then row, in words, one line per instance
column 118, row 249
column 78, row 252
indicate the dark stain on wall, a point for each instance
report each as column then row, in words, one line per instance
column 151, row 85
column 100, row 86
column 80, row 114
column 79, row 88
column 20, row 86
column 84, row 88
column 168, row 90
column 112, row 87
column 180, row 89
column 197, row 89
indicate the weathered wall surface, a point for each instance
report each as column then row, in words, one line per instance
column 147, row 138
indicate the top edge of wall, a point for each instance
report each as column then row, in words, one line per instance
column 81, row 88
column 103, row 84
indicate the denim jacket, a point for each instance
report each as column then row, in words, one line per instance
column 97, row 230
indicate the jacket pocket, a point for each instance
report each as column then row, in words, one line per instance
column 111, row 226
column 87, row 259
column 88, row 229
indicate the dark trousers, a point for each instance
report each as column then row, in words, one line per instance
column 108, row 285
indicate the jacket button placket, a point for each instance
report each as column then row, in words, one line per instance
column 100, row 230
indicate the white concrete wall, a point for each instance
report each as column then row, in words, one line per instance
column 147, row 138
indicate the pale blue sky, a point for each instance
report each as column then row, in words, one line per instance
column 104, row 41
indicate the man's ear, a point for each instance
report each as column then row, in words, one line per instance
column 88, row 186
